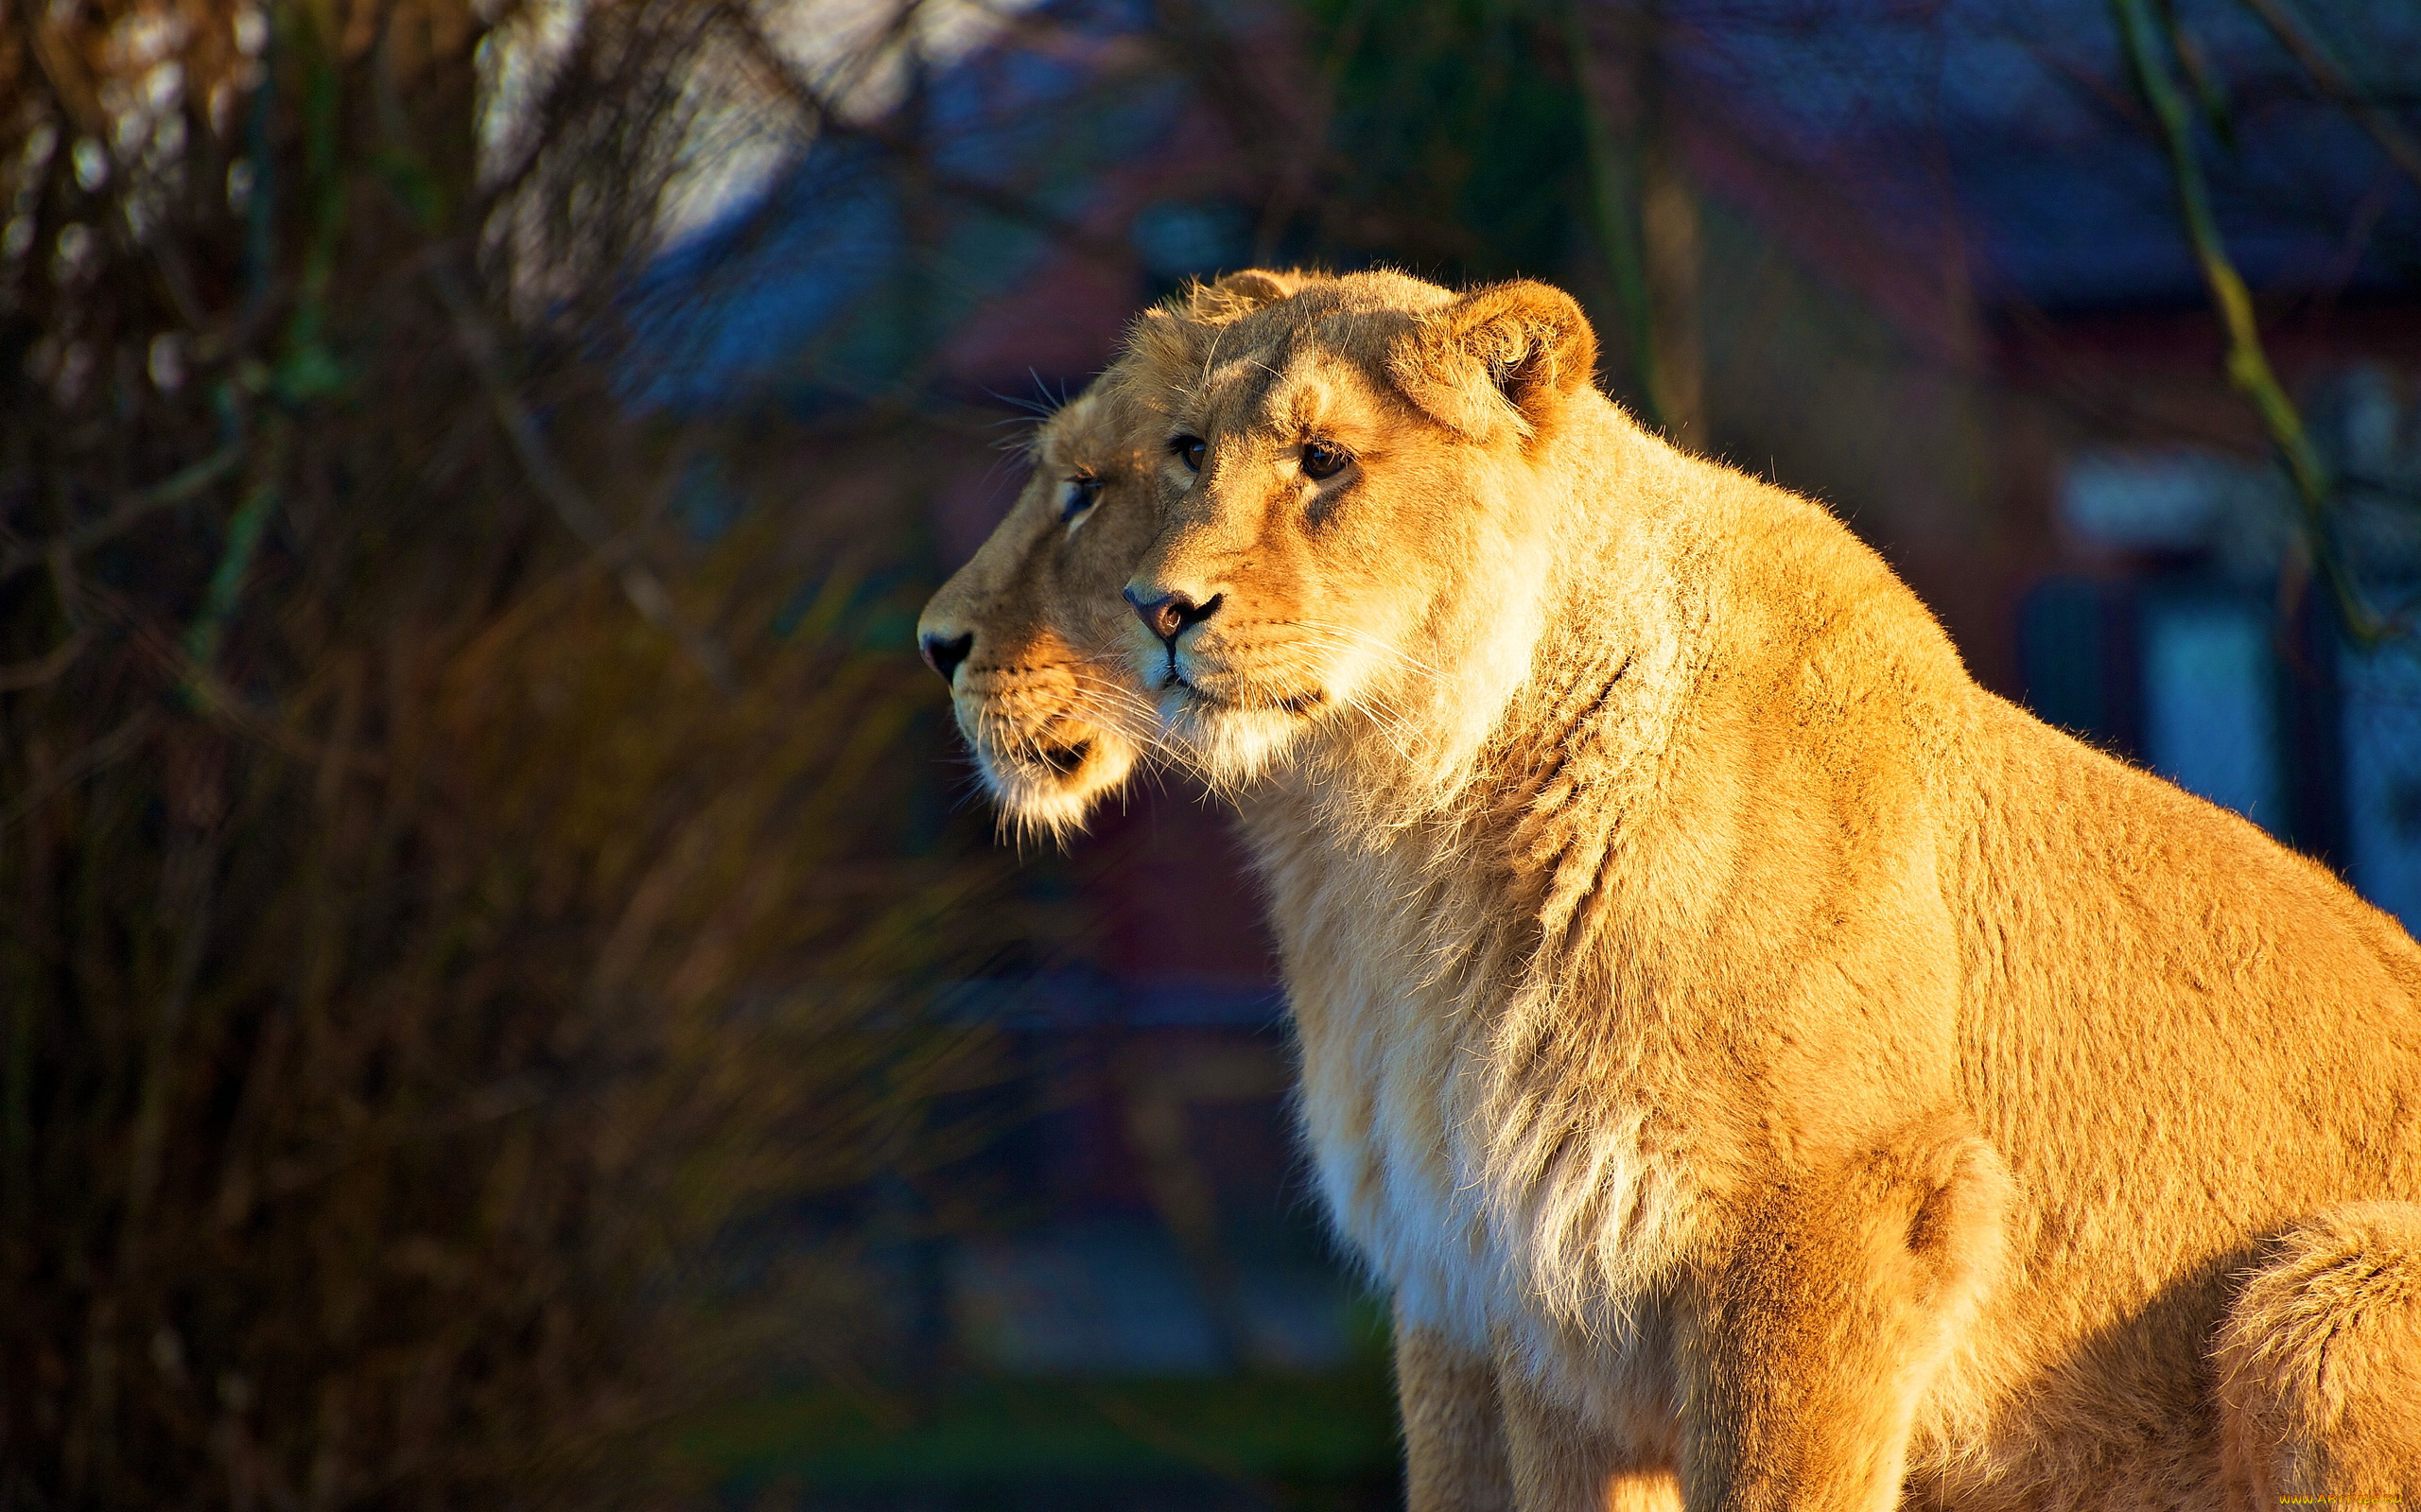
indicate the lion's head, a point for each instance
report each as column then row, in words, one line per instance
column 1030, row 633
column 1358, row 515
column 1027, row 632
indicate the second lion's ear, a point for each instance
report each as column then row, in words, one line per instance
column 1512, row 354
column 1163, row 342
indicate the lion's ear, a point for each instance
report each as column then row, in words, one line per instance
column 1233, row 296
column 1165, row 341
column 1510, row 354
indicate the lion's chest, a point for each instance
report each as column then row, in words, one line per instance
column 1483, row 1222
column 1379, row 1103
column 1487, row 1200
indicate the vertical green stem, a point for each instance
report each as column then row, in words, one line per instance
column 2248, row 363
column 236, row 558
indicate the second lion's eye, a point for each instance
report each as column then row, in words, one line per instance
column 1190, row 450
column 1077, row 496
column 1321, row 461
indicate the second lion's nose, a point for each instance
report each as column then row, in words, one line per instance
column 1167, row 614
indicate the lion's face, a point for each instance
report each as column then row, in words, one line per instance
column 1029, row 632
column 1352, row 524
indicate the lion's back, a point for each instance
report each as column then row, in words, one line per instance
column 2183, row 1036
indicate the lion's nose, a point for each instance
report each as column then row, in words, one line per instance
column 943, row 652
column 1167, row 614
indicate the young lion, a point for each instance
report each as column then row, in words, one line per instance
column 1052, row 718
column 1792, row 1063
column 1029, row 634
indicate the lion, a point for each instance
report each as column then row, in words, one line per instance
column 2278, row 1353
column 1054, row 727
column 1796, row 1074
column 1029, row 632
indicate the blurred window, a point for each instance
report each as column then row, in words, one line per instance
column 2165, row 501
column 2380, row 703
column 2210, row 714
column 1179, row 239
column 2223, row 518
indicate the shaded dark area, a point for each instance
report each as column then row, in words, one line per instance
column 511, row 996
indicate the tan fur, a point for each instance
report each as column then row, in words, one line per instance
column 1789, row 1065
column 1712, row 1001
column 1051, row 716
column 2320, row 1361
column 1043, row 697
column 1454, row 1423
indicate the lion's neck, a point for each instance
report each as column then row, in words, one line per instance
column 1454, row 953
column 1415, row 927
column 1503, row 824
column 1584, row 644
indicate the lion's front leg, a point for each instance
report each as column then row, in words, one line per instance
column 1454, row 1431
column 1562, row 1463
column 1812, row 1337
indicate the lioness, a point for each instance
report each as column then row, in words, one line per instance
column 1055, row 725
column 2311, row 1350
column 1791, row 1061
column 1030, row 633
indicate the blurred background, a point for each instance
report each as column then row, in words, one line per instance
column 509, row 996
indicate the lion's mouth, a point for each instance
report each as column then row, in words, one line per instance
column 1065, row 759
column 1299, row 705
column 1029, row 754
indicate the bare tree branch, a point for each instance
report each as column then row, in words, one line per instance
column 2339, row 84
column 175, row 488
column 101, row 755
column 640, row 586
column 2248, row 363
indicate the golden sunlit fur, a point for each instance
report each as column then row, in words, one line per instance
column 2320, row 1359
column 1042, row 694
column 1612, row 1095
column 1054, row 727
column 1799, row 1070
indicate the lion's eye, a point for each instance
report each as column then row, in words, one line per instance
column 1080, row 494
column 1321, row 459
column 1190, row 450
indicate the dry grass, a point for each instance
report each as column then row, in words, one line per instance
column 444, row 898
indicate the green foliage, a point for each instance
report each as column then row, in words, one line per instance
column 1307, row 1430
column 1458, row 134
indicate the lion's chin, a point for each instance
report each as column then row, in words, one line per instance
column 1050, row 787
column 1230, row 743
